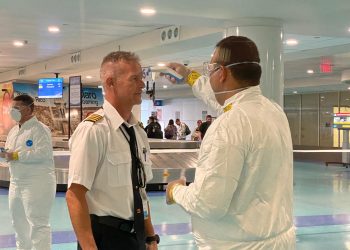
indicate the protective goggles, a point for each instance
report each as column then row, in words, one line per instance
column 210, row 68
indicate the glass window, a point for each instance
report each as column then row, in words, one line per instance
column 309, row 119
column 328, row 104
column 292, row 105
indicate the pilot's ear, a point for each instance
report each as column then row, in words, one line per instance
column 109, row 82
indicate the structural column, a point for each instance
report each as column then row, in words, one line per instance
column 267, row 33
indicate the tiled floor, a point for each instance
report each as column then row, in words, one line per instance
column 322, row 214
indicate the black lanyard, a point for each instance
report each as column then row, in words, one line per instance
column 141, row 176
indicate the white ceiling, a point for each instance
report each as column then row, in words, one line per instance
column 97, row 27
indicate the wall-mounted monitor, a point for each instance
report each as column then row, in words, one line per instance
column 50, row 88
column 341, row 120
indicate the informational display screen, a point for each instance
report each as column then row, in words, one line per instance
column 341, row 120
column 50, row 88
column 75, row 91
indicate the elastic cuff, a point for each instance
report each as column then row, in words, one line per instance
column 192, row 77
column 15, row 156
column 171, row 193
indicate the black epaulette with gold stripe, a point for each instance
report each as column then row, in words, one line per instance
column 93, row 118
column 141, row 125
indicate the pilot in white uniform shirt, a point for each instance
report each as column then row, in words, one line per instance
column 103, row 164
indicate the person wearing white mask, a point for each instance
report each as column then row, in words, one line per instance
column 28, row 150
column 242, row 194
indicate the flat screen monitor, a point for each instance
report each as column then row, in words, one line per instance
column 50, row 88
column 341, row 120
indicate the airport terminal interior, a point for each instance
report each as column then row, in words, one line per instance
column 305, row 56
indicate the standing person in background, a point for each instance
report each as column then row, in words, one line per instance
column 153, row 129
column 181, row 130
column 170, row 131
column 32, row 176
column 242, row 194
column 110, row 165
column 205, row 125
column 196, row 135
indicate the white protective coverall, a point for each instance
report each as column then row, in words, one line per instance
column 242, row 195
column 32, row 184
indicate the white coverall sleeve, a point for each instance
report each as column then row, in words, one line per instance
column 85, row 147
column 202, row 90
column 218, row 170
column 41, row 149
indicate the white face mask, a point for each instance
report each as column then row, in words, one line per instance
column 229, row 91
column 15, row 114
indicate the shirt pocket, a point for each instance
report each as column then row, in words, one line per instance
column 119, row 169
column 148, row 166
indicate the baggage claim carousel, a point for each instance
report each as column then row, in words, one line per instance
column 171, row 160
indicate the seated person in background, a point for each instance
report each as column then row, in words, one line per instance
column 170, row 131
column 153, row 129
column 196, row 135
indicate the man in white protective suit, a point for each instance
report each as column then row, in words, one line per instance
column 242, row 194
column 28, row 150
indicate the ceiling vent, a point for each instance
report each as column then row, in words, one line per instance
column 75, row 58
column 22, row 71
column 345, row 76
column 170, row 34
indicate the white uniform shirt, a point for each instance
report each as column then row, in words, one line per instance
column 242, row 195
column 35, row 154
column 101, row 161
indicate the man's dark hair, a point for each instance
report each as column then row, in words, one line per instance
column 26, row 100
column 235, row 49
column 171, row 122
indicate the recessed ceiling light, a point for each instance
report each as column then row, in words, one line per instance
column 349, row 29
column 18, row 43
column 310, row 71
column 53, row 29
column 292, row 42
column 147, row 11
column 161, row 64
column 89, row 77
column 165, row 86
column 348, row 87
column 295, row 92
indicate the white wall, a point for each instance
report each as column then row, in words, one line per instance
column 190, row 110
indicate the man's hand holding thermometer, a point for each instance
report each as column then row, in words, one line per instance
column 177, row 73
column 9, row 156
column 169, row 73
